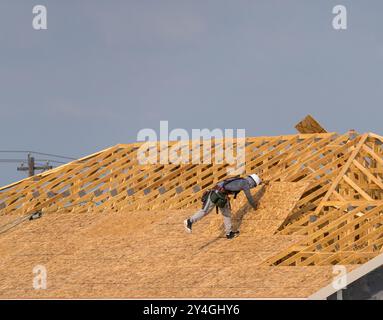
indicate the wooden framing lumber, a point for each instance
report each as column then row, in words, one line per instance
column 339, row 213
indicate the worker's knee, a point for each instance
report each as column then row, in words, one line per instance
column 226, row 212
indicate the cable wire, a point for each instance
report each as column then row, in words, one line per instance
column 40, row 153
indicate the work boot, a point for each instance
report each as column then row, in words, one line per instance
column 232, row 234
column 188, row 225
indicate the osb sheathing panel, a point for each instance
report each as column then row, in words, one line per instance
column 275, row 203
column 309, row 125
column 146, row 254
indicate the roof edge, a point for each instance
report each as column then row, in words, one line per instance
column 352, row 276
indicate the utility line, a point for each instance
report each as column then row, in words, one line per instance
column 12, row 160
column 31, row 163
column 23, row 160
column 47, row 160
column 40, row 153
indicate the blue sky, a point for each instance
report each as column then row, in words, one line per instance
column 106, row 69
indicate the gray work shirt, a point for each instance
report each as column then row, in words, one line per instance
column 241, row 184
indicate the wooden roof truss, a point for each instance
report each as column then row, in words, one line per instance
column 340, row 213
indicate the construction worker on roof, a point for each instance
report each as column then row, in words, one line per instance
column 219, row 197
